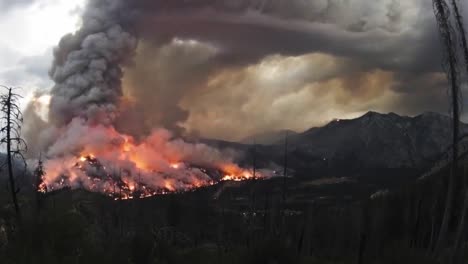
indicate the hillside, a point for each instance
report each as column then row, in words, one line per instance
column 372, row 141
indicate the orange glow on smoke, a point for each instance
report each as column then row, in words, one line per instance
column 125, row 169
column 168, row 186
column 176, row 165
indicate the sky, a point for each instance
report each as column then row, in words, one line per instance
column 230, row 69
column 31, row 29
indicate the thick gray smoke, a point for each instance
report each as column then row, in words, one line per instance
column 87, row 102
column 227, row 69
column 206, row 66
column 181, row 46
column 87, row 68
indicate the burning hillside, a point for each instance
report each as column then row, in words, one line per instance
column 118, row 166
column 90, row 140
column 89, row 173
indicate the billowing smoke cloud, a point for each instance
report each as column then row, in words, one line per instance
column 199, row 69
column 34, row 123
column 87, row 105
column 161, row 77
column 228, row 69
column 332, row 91
column 87, row 67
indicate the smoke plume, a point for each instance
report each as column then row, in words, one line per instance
column 88, row 137
column 140, row 70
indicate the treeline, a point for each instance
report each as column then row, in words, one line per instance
column 244, row 224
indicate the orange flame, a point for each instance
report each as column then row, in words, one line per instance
column 124, row 169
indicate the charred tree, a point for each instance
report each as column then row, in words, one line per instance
column 40, row 186
column 363, row 235
column 464, row 47
column 450, row 65
column 285, row 167
column 254, row 175
column 254, row 159
column 15, row 146
column 461, row 32
column 283, row 191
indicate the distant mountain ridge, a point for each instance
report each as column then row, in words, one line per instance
column 380, row 140
column 373, row 140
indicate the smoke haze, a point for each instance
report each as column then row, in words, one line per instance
column 230, row 69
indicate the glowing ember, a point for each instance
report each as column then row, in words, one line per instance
column 176, row 165
column 42, row 188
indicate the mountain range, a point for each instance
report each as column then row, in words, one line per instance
column 372, row 141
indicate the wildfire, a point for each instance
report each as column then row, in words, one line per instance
column 175, row 165
column 125, row 170
column 42, row 188
column 87, row 151
column 243, row 177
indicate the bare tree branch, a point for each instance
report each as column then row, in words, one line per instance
column 12, row 119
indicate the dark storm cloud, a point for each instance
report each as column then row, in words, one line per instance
column 397, row 37
column 205, row 65
column 250, row 30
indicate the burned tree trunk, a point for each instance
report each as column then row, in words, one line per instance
column 285, row 167
column 442, row 14
column 13, row 189
column 363, row 235
column 461, row 32
column 40, row 187
column 464, row 47
column 15, row 145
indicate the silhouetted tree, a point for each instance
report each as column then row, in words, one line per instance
column 40, row 186
column 15, row 146
column 464, row 47
column 442, row 13
column 461, row 32
column 285, row 166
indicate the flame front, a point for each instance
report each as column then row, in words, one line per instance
column 122, row 168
